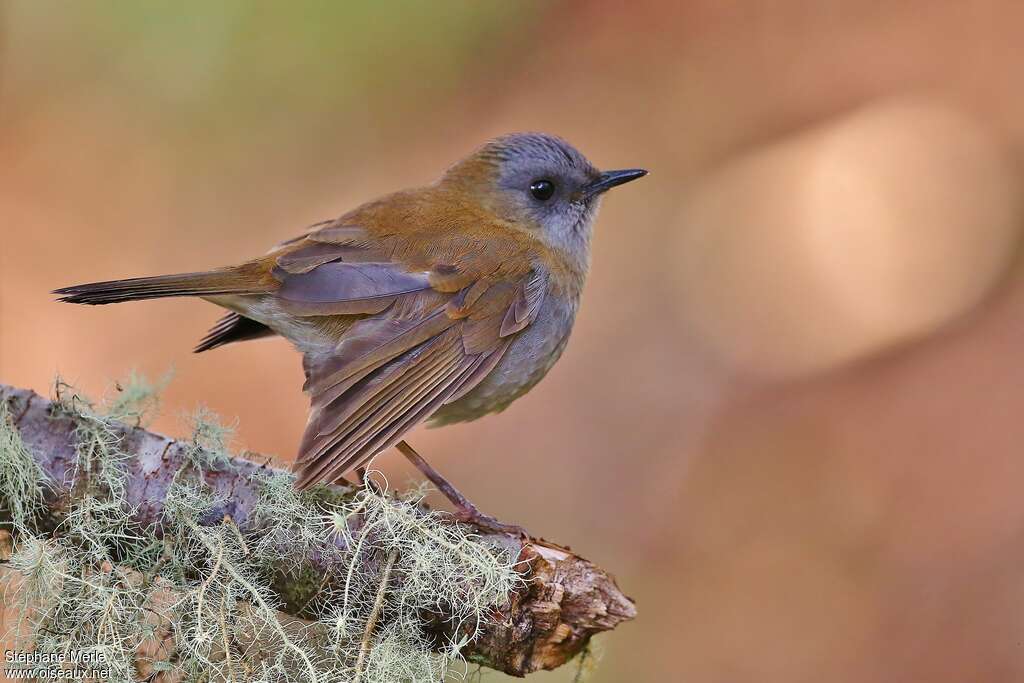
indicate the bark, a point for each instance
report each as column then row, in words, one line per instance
column 565, row 600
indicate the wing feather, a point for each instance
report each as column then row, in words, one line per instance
column 339, row 288
column 416, row 414
column 418, row 336
column 370, row 343
column 425, row 385
column 350, row 409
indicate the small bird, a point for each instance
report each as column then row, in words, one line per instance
column 442, row 303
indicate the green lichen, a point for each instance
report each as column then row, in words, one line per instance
column 200, row 602
column 209, row 447
column 137, row 400
column 23, row 482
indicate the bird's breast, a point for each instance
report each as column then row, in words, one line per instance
column 529, row 357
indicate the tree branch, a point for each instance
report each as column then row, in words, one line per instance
column 564, row 600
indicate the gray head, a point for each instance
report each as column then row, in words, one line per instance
column 539, row 183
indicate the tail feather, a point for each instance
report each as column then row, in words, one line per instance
column 232, row 328
column 182, row 284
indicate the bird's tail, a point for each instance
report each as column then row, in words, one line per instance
column 210, row 283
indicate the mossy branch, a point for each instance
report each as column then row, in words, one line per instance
column 235, row 541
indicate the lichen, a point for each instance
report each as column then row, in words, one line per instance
column 22, row 481
column 209, row 447
column 137, row 400
column 398, row 594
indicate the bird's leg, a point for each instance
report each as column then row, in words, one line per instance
column 465, row 511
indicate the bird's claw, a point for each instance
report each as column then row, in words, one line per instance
column 485, row 522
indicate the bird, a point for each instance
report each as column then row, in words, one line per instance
column 437, row 304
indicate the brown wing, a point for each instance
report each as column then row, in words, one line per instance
column 413, row 340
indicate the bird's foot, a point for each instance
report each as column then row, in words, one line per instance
column 465, row 511
column 469, row 514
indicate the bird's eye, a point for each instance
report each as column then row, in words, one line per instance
column 542, row 190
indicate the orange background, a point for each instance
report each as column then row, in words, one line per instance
column 790, row 416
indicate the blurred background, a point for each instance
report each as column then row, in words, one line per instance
column 791, row 416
